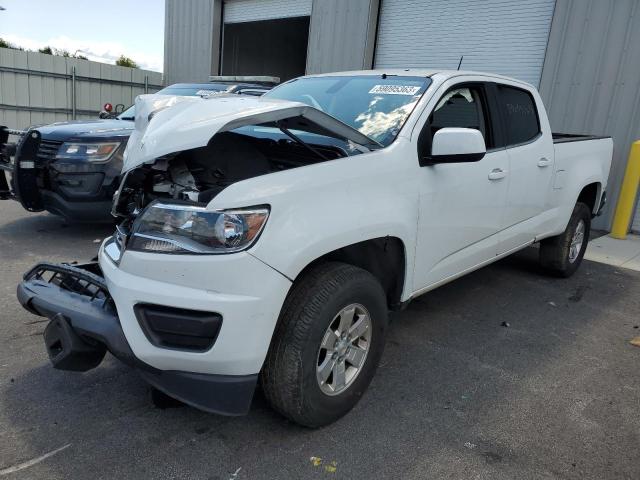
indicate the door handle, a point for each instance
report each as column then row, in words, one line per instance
column 497, row 174
column 543, row 162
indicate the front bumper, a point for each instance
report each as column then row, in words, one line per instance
column 77, row 210
column 247, row 293
column 85, row 324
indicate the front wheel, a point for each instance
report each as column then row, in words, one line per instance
column 327, row 345
column 561, row 255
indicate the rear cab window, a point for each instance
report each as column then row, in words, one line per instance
column 521, row 120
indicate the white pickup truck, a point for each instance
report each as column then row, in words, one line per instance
column 267, row 238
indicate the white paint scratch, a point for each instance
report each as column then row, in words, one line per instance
column 33, row 461
column 235, row 475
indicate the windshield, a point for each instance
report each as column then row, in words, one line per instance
column 377, row 106
column 182, row 90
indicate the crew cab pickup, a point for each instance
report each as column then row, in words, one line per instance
column 266, row 239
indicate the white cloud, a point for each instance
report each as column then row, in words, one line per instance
column 106, row 52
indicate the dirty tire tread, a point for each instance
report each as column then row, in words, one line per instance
column 281, row 376
column 554, row 250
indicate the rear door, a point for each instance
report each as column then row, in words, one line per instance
column 531, row 158
column 460, row 204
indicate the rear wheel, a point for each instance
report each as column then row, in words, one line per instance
column 561, row 255
column 327, row 345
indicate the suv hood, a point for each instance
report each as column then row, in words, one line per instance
column 86, row 128
column 169, row 124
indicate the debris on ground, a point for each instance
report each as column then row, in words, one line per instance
column 332, row 467
column 234, row 475
column 470, row 445
column 553, row 304
column 635, row 341
column 505, row 324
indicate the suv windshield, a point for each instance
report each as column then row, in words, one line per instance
column 183, row 90
column 377, row 106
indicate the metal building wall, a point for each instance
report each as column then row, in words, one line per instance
column 342, row 35
column 591, row 77
column 191, row 39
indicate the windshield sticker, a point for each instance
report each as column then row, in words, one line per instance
column 207, row 93
column 395, row 89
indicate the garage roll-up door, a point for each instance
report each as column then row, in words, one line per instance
column 236, row 11
column 499, row 36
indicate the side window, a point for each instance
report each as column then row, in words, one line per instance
column 521, row 116
column 462, row 106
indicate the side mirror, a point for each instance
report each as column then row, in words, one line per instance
column 456, row 145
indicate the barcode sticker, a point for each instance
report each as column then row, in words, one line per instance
column 395, row 89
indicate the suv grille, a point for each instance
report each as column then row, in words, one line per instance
column 48, row 149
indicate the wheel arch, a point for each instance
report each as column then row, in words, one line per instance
column 384, row 257
column 590, row 195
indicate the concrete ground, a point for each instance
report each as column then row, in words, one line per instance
column 612, row 251
column 555, row 394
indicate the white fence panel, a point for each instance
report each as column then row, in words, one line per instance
column 38, row 89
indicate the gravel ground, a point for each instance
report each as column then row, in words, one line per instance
column 459, row 395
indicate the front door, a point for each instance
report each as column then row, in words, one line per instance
column 461, row 204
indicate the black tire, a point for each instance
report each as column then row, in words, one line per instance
column 554, row 251
column 289, row 375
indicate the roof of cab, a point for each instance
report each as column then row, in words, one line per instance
column 418, row 72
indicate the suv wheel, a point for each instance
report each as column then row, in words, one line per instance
column 327, row 345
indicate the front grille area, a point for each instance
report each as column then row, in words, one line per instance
column 48, row 149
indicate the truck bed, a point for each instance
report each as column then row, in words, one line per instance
column 570, row 137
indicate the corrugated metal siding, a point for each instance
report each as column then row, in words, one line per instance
column 191, row 29
column 21, row 92
column 341, row 35
column 635, row 224
column 236, row 11
column 497, row 36
column 591, row 78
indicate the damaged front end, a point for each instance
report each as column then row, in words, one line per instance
column 84, row 325
column 191, row 150
column 84, row 322
column 182, row 155
column 238, row 139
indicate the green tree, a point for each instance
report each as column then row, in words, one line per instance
column 5, row 44
column 47, row 50
column 126, row 62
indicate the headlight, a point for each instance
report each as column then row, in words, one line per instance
column 93, row 152
column 190, row 229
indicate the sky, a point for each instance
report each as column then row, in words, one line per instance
column 101, row 30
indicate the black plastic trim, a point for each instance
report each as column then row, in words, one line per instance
column 178, row 328
column 459, row 158
column 222, row 394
